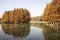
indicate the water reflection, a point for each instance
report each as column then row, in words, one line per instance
column 39, row 25
column 29, row 32
column 17, row 30
column 21, row 32
column 51, row 33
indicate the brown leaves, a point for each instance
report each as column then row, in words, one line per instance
column 52, row 11
column 16, row 16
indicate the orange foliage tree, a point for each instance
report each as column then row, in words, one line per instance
column 16, row 16
column 52, row 12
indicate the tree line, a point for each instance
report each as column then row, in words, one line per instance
column 37, row 18
column 16, row 16
column 52, row 12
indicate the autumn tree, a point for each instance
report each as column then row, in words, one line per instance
column 16, row 16
column 5, row 17
column 11, row 16
column 27, row 15
column 52, row 12
column 46, row 12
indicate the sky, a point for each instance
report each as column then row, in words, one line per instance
column 35, row 7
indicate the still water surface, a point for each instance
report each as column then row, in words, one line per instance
column 28, row 32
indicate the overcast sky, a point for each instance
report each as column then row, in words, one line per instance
column 36, row 7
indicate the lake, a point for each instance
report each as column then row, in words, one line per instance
column 28, row 32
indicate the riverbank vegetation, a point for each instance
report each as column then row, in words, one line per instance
column 37, row 18
column 16, row 16
column 52, row 12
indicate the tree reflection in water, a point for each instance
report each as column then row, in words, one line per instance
column 17, row 30
column 23, row 30
column 51, row 33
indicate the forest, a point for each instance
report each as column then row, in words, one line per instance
column 52, row 12
column 16, row 16
column 37, row 18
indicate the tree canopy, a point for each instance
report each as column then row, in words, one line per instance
column 16, row 16
column 52, row 11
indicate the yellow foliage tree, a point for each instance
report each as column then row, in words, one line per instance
column 52, row 12
column 16, row 16
column 5, row 17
